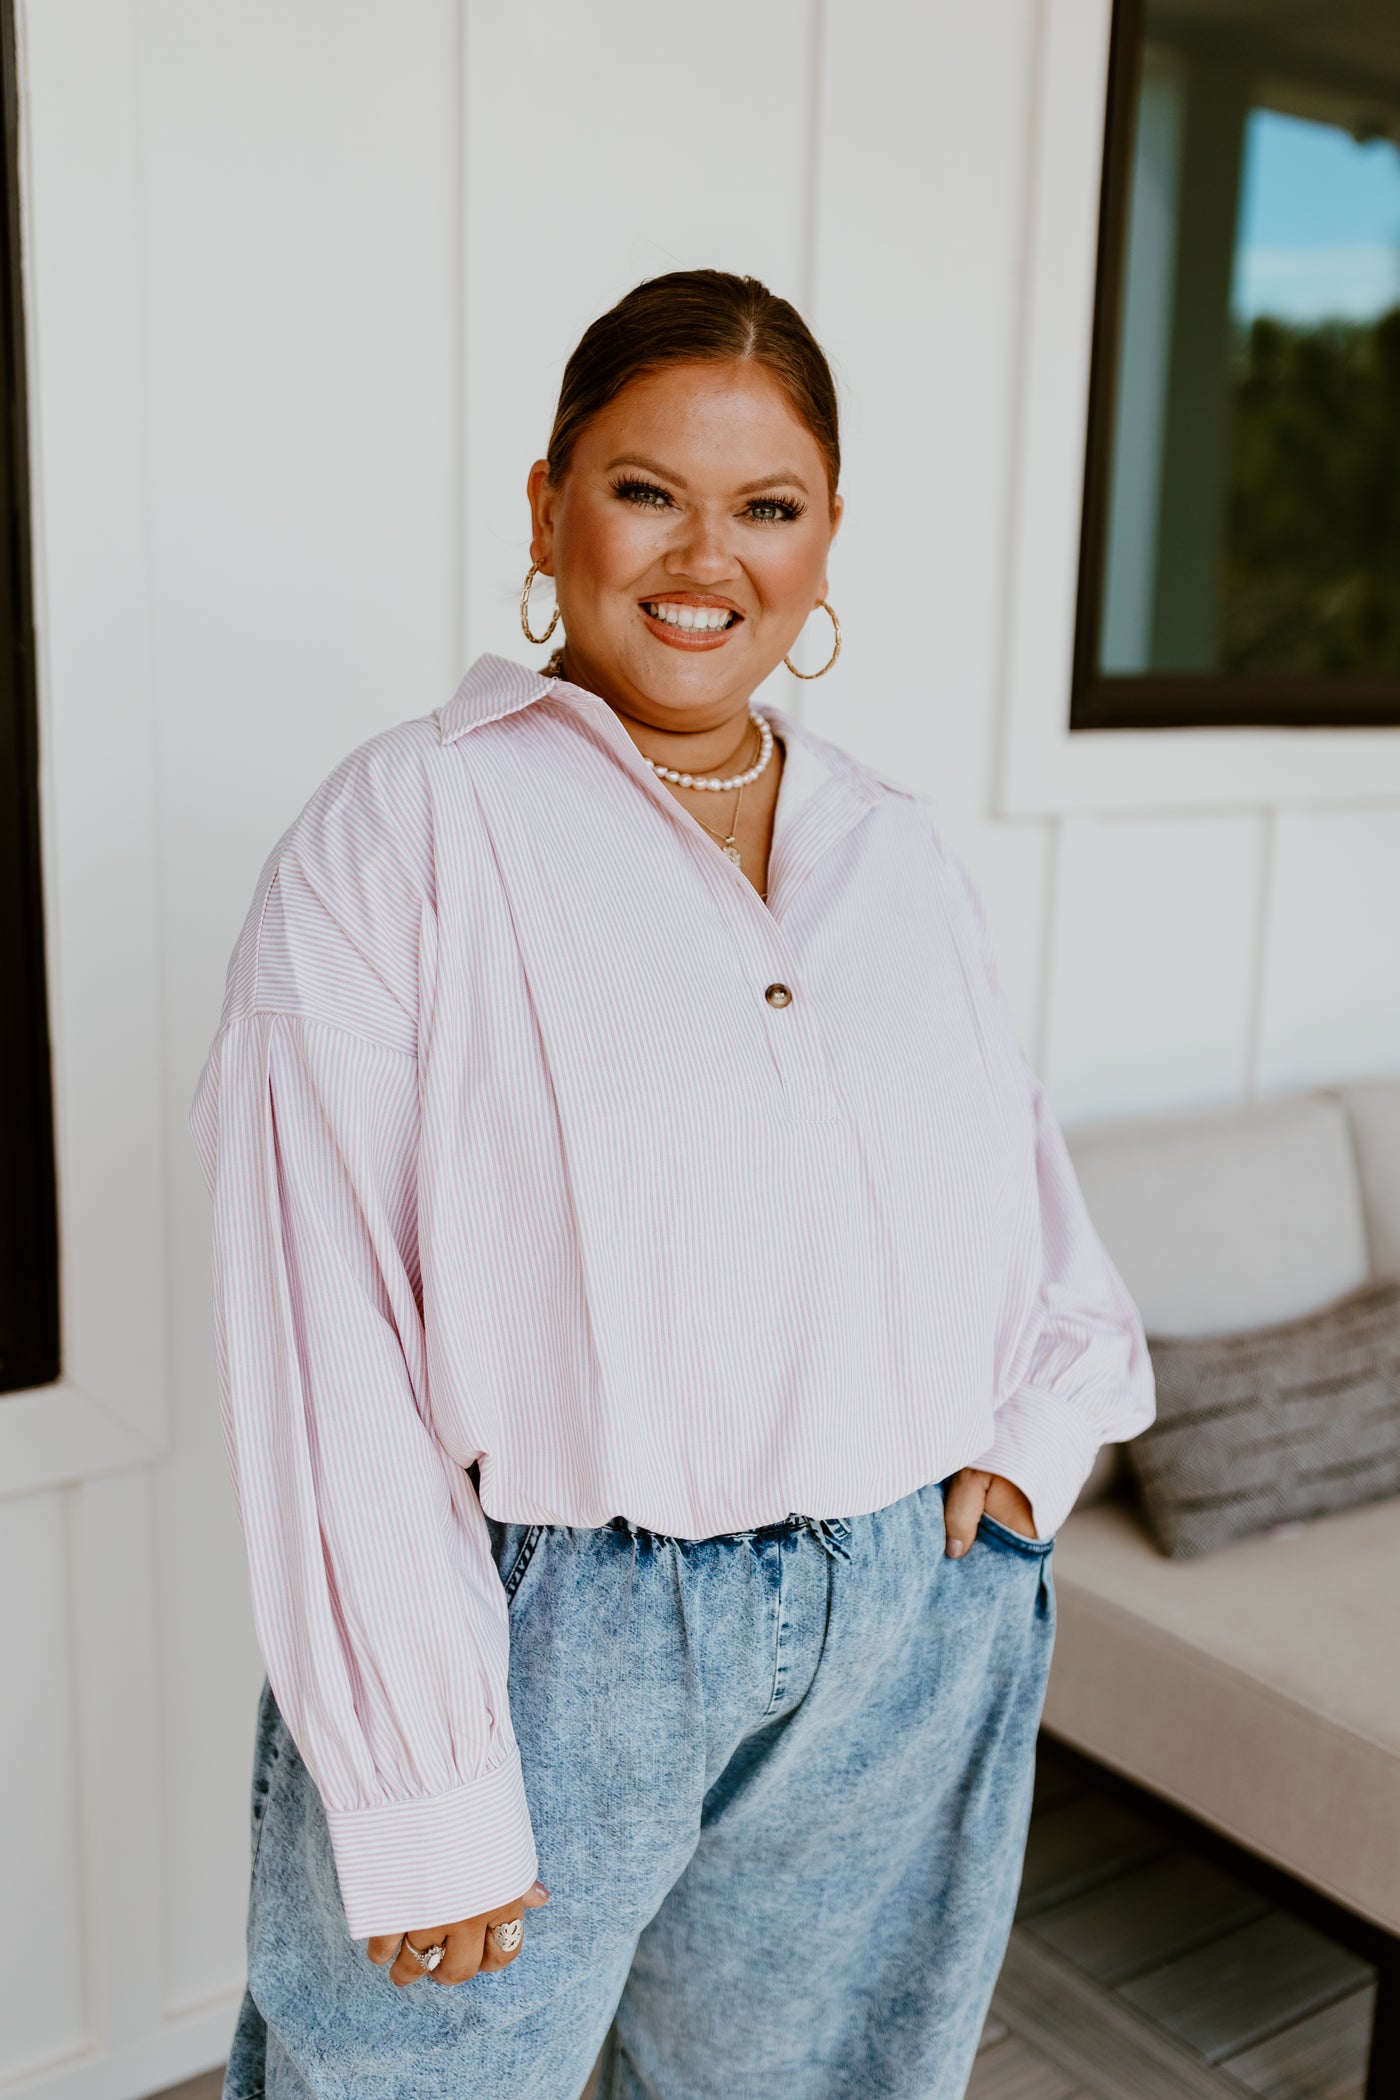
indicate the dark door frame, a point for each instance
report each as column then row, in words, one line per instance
column 29, row 1311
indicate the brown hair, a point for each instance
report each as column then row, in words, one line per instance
column 696, row 317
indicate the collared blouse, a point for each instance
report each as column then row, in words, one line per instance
column 540, row 1142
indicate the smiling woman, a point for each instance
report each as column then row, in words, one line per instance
column 686, row 508
column 660, row 1330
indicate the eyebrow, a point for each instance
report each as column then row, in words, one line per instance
column 750, row 488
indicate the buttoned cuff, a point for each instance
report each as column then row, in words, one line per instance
column 1044, row 1447
column 406, row 1865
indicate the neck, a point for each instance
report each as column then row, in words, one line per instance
column 718, row 748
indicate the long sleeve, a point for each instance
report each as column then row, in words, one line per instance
column 377, row 1604
column 1073, row 1370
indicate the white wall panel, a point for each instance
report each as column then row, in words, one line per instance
column 915, row 291
column 1331, row 1002
column 43, row 2011
column 605, row 144
column 115, row 1661
column 917, row 282
column 211, row 1673
column 1152, row 964
column 299, row 172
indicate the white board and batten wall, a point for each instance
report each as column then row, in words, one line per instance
column 300, row 278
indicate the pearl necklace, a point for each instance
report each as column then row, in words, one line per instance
column 735, row 780
column 555, row 669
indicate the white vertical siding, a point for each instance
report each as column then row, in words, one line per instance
column 301, row 277
column 44, row 2011
column 1152, row 963
column 209, row 1674
column 917, row 296
column 604, row 144
column 1330, row 1004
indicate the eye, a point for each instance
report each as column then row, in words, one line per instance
column 647, row 495
column 775, row 510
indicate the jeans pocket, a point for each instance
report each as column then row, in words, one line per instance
column 524, row 1554
column 998, row 1534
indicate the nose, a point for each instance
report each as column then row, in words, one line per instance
column 702, row 550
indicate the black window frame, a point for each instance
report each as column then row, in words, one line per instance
column 29, row 1308
column 1166, row 699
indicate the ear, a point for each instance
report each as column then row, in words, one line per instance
column 838, row 511
column 542, row 495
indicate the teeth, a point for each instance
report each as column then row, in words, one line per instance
column 708, row 617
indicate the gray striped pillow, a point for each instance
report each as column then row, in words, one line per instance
column 1282, row 1422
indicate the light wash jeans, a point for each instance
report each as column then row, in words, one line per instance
column 779, row 1782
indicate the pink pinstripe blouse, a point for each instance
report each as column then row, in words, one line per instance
column 517, row 1158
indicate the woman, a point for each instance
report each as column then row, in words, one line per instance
column 659, row 1329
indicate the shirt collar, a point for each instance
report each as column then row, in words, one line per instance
column 495, row 687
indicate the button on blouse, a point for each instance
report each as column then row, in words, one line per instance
column 539, row 1142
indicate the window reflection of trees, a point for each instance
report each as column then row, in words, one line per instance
column 1241, row 548
column 1311, row 579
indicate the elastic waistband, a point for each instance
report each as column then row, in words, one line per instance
column 830, row 1533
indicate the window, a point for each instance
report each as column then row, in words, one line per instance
column 28, row 1235
column 1240, row 555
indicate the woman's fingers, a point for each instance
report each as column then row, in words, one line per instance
column 1007, row 1503
column 494, row 1957
column 466, row 1946
column 962, row 1507
column 407, row 1969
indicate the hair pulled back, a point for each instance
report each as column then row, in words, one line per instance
column 696, row 317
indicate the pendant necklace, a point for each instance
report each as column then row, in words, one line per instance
column 729, row 841
column 729, row 844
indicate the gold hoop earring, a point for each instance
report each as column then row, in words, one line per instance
column 534, row 571
column 835, row 651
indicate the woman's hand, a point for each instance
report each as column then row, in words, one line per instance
column 970, row 1494
column 469, row 1948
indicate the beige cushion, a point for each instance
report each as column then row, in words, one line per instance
column 1271, row 1425
column 1259, row 1689
column 1373, row 1106
column 1230, row 1219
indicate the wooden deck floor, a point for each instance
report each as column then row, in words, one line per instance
column 1138, row 1970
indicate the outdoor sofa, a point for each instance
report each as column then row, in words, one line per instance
column 1257, row 1688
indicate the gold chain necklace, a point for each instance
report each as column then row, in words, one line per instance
column 728, row 841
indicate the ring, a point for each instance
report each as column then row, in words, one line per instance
column 507, row 1935
column 427, row 1958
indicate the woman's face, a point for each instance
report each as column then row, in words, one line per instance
column 687, row 542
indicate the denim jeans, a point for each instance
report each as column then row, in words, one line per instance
column 779, row 1781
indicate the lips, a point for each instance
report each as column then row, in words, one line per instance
column 703, row 619
column 694, row 621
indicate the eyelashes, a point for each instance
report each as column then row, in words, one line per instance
column 647, row 495
column 763, row 510
column 787, row 509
